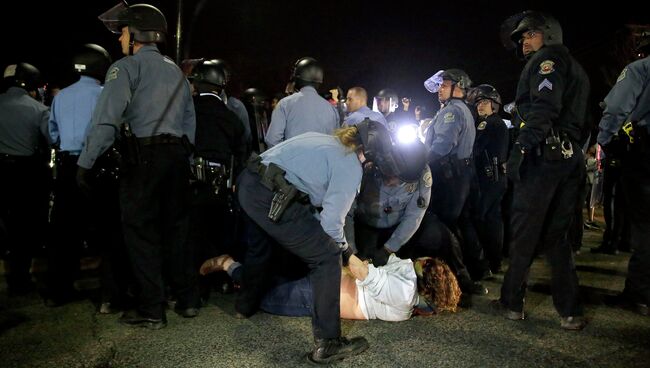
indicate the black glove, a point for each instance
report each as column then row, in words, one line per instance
column 514, row 162
column 82, row 180
column 346, row 253
column 608, row 149
column 381, row 256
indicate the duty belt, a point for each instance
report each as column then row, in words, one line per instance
column 272, row 177
column 160, row 139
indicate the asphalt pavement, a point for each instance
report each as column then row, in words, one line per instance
column 74, row 335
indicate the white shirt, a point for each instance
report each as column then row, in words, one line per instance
column 389, row 292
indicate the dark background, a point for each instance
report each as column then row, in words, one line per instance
column 371, row 44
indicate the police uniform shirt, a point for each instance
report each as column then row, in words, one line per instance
column 71, row 111
column 552, row 93
column 491, row 137
column 137, row 90
column 382, row 206
column 22, row 121
column 320, row 166
column 623, row 98
column 236, row 106
column 301, row 112
column 365, row 112
column 452, row 131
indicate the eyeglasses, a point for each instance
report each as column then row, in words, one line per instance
column 529, row 34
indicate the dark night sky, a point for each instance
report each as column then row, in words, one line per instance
column 372, row 44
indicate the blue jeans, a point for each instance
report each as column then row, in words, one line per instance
column 288, row 297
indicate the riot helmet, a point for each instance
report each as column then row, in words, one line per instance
column 386, row 101
column 404, row 161
column 307, row 71
column 457, row 77
column 207, row 75
column 225, row 67
column 23, row 75
column 484, row 92
column 530, row 20
column 146, row 23
column 254, row 96
column 92, row 60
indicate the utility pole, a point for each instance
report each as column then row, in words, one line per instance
column 179, row 32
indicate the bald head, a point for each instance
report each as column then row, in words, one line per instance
column 356, row 98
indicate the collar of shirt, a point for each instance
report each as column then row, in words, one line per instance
column 308, row 89
column 211, row 94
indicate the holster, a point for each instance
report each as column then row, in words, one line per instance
column 273, row 179
column 129, row 146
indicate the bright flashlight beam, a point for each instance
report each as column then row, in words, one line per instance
column 407, row 134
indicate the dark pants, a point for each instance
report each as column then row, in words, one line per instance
column 70, row 222
column 24, row 192
column 636, row 186
column 489, row 220
column 616, row 235
column 301, row 234
column 154, row 196
column 542, row 210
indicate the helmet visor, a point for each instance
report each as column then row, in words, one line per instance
column 433, row 84
column 113, row 18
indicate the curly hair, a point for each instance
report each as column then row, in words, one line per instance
column 438, row 285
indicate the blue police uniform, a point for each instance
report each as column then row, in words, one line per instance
column 365, row 112
column 399, row 208
column 150, row 93
column 23, row 195
column 626, row 102
column 71, row 112
column 301, row 112
column 450, row 140
column 329, row 175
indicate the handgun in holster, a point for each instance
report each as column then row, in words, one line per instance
column 130, row 148
column 284, row 192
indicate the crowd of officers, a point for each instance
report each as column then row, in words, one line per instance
column 148, row 156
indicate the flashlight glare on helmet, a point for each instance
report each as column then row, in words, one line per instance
column 407, row 134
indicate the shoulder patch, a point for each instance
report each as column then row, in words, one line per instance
column 112, row 74
column 622, row 75
column 481, row 125
column 427, row 179
column 410, row 187
column 449, row 117
column 545, row 84
column 546, row 67
column 392, row 126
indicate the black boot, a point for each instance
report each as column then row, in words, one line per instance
column 331, row 350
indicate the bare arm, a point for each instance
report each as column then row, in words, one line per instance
column 358, row 268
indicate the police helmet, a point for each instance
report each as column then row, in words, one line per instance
column 225, row 67
column 146, row 22
column 514, row 26
column 484, row 92
column 22, row 75
column 209, row 72
column 92, row 60
column 307, row 70
column 457, row 77
column 389, row 95
column 404, row 161
column 254, row 96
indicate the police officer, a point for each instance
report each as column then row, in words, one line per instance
column 450, row 140
column 147, row 97
column 357, row 109
column 233, row 103
column 303, row 111
column 256, row 103
column 387, row 103
column 490, row 155
column 71, row 111
column 627, row 113
column 392, row 201
column 279, row 194
column 220, row 150
column 546, row 164
column 23, row 133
